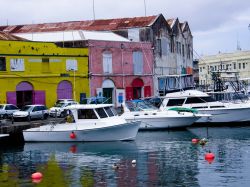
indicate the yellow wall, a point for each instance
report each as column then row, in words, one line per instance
column 43, row 76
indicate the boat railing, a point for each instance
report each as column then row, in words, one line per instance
column 228, row 96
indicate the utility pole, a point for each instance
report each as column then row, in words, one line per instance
column 94, row 9
column 145, row 8
column 249, row 26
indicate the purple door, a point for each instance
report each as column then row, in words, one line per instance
column 39, row 97
column 11, row 98
column 64, row 90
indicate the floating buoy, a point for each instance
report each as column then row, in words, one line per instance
column 133, row 162
column 73, row 149
column 203, row 141
column 115, row 166
column 209, row 157
column 195, row 140
column 72, row 135
column 37, row 180
column 37, row 175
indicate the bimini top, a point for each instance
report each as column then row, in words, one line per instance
column 88, row 106
column 187, row 93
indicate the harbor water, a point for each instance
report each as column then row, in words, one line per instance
column 155, row 158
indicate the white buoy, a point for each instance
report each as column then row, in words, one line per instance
column 115, row 166
column 133, row 162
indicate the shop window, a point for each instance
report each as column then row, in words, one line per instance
column 2, row 64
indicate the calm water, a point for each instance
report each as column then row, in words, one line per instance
column 163, row 158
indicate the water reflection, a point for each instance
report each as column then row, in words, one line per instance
column 163, row 158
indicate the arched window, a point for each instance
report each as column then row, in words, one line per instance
column 107, row 62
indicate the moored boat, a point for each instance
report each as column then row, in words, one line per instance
column 152, row 118
column 86, row 123
column 220, row 112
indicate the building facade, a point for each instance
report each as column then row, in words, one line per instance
column 237, row 62
column 41, row 73
column 171, row 41
column 121, row 70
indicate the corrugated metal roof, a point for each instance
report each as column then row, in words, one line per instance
column 7, row 36
column 72, row 36
column 97, row 25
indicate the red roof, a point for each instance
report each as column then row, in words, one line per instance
column 97, row 25
column 7, row 36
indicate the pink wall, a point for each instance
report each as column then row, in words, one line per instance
column 125, row 55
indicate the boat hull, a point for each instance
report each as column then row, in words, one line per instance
column 225, row 115
column 165, row 122
column 120, row 132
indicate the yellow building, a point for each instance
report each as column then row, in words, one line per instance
column 41, row 73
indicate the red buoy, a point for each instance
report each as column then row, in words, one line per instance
column 209, row 157
column 36, row 181
column 37, row 175
column 73, row 149
column 195, row 140
column 72, row 135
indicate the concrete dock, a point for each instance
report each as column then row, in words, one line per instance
column 12, row 132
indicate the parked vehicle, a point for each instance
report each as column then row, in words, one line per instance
column 30, row 112
column 6, row 110
column 64, row 101
column 58, row 109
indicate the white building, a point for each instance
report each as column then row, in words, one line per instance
column 237, row 62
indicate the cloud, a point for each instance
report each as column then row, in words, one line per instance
column 211, row 21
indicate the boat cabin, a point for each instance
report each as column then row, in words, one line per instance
column 92, row 111
column 191, row 98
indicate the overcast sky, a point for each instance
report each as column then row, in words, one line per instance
column 217, row 26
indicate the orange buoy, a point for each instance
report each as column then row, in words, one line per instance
column 37, row 175
column 72, row 135
column 195, row 140
column 209, row 157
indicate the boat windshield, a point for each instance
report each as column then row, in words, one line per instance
column 191, row 100
column 109, row 111
column 139, row 106
column 101, row 112
column 114, row 111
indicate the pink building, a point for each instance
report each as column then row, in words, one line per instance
column 120, row 70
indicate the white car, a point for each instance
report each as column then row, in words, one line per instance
column 58, row 109
column 30, row 112
column 6, row 110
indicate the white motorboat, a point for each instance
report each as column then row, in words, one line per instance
column 153, row 118
column 86, row 123
column 220, row 112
